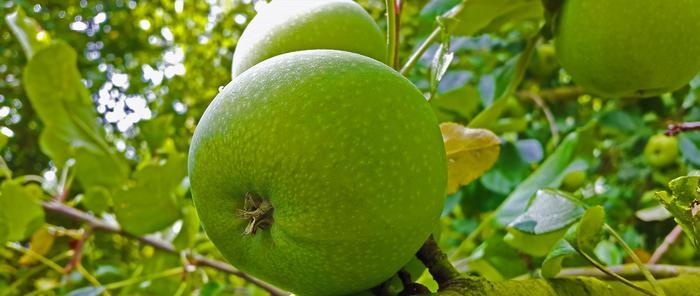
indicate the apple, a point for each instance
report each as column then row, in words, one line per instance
column 291, row 25
column 629, row 48
column 574, row 180
column 319, row 171
column 661, row 151
column 544, row 63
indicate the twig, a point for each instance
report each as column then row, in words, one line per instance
column 668, row 241
column 77, row 251
column 392, row 31
column 630, row 271
column 415, row 56
column 564, row 93
column 437, row 263
column 46, row 261
column 650, row 278
column 547, row 113
column 100, row 225
column 614, row 275
column 677, row 128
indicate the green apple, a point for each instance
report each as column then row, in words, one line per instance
column 661, row 151
column 574, row 180
column 291, row 25
column 544, row 63
column 629, row 48
column 319, row 171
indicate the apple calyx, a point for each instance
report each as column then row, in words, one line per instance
column 258, row 211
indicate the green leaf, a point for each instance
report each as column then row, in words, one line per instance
column 544, row 223
column 506, row 82
column 684, row 204
column 441, row 62
column 550, row 211
column 187, row 236
column 455, row 104
column 30, row 35
column 87, row 291
column 479, row 16
column 151, row 203
column 588, row 230
column 157, row 130
column 608, row 253
column 20, row 211
column 71, row 130
column 97, row 199
column 552, row 263
column 537, row 245
column 550, row 174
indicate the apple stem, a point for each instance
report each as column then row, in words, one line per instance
column 258, row 211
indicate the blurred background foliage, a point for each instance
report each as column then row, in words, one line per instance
column 152, row 67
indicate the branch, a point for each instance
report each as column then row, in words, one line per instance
column 668, row 241
column 683, row 285
column 677, row 128
column 564, row 93
column 437, row 263
column 100, row 225
column 631, row 271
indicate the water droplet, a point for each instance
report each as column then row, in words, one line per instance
column 221, row 88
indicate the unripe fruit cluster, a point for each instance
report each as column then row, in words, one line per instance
column 318, row 168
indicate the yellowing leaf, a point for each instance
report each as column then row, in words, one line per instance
column 470, row 153
column 41, row 243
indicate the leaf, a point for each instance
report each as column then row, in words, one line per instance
column 550, row 211
column 41, row 243
column 496, row 260
column 544, row 223
column 690, row 148
column 71, row 129
column 550, row 174
column 441, row 62
column 87, row 291
column 97, row 199
column 537, row 245
column 470, row 153
column 151, row 203
column 477, row 16
column 27, row 31
column 551, row 266
column 506, row 82
column 458, row 103
column 609, row 253
column 187, row 236
column 20, row 211
column 588, row 230
column 684, row 203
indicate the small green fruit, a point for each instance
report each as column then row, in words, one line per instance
column 320, row 171
column 544, row 64
column 661, row 151
column 629, row 48
column 574, row 180
column 291, row 25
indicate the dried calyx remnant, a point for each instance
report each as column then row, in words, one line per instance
column 258, row 211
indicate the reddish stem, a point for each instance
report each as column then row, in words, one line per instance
column 677, row 128
column 77, row 251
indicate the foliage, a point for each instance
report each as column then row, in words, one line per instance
column 99, row 100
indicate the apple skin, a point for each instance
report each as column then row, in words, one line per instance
column 661, row 151
column 348, row 153
column 291, row 25
column 629, row 48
